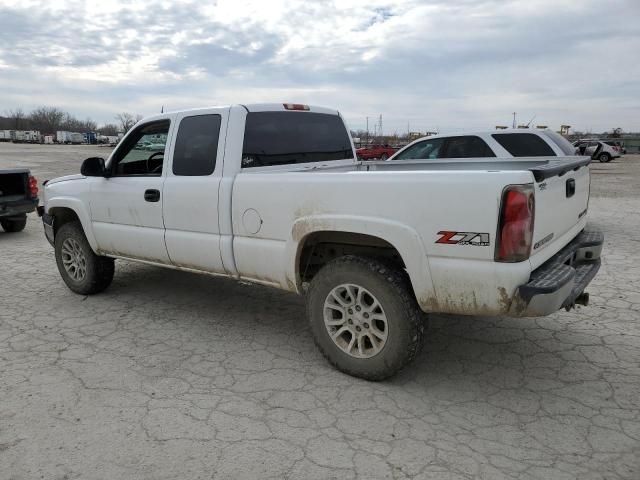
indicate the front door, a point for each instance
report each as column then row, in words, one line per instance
column 126, row 207
column 190, row 207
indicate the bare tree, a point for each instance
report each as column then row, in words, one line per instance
column 127, row 120
column 18, row 118
column 47, row 119
column 108, row 129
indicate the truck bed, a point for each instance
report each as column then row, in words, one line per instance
column 410, row 203
column 540, row 167
column 13, row 184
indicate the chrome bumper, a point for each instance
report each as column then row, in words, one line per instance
column 561, row 280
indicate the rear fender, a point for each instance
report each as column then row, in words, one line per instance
column 402, row 237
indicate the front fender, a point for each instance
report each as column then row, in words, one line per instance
column 80, row 209
column 402, row 237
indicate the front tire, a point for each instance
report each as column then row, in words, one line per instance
column 82, row 270
column 604, row 158
column 364, row 317
column 12, row 225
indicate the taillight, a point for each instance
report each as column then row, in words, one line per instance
column 33, row 187
column 295, row 106
column 515, row 226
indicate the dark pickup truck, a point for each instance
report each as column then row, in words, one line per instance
column 18, row 196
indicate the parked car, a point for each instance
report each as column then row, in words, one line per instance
column 155, row 147
column 381, row 152
column 18, row 196
column 597, row 150
column 481, row 145
column 617, row 146
column 273, row 194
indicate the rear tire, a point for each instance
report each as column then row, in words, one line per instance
column 384, row 157
column 364, row 317
column 14, row 224
column 604, row 158
column 82, row 270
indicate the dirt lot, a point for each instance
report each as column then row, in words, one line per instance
column 170, row 375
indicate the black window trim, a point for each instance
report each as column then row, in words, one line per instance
column 115, row 160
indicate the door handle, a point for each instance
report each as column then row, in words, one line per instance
column 152, row 195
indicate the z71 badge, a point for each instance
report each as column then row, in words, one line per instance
column 464, row 238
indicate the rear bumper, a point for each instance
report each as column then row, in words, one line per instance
column 17, row 208
column 561, row 280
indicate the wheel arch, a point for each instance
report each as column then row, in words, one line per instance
column 65, row 210
column 396, row 242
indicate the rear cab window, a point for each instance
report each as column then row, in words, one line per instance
column 524, row 144
column 285, row 138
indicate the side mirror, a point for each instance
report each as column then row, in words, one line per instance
column 93, row 167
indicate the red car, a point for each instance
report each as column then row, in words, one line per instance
column 375, row 151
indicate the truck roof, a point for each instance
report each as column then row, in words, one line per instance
column 253, row 107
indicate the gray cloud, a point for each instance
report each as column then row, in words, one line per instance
column 452, row 65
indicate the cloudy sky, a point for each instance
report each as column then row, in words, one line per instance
column 444, row 64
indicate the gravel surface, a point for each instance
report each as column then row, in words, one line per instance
column 171, row 375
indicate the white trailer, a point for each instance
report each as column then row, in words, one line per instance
column 32, row 136
column 5, row 135
column 77, row 138
column 62, row 136
column 18, row 136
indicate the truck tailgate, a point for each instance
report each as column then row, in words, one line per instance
column 562, row 197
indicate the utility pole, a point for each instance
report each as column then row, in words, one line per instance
column 514, row 119
column 367, row 130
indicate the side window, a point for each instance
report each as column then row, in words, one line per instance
column 197, row 145
column 467, row 147
column 142, row 153
column 426, row 149
column 524, row 144
column 562, row 143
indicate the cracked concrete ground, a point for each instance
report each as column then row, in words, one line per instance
column 173, row 375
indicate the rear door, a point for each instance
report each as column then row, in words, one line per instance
column 190, row 207
column 591, row 148
column 466, row 146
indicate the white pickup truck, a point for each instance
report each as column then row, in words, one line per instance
column 273, row 194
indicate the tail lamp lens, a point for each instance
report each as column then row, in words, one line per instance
column 33, row 187
column 515, row 228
